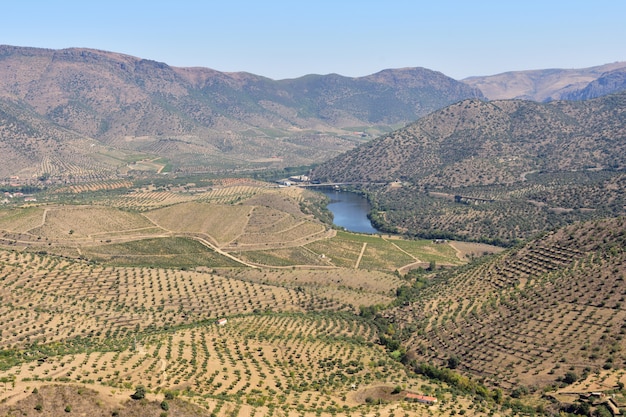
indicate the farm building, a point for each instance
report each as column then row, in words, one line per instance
column 221, row 322
column 420, row 398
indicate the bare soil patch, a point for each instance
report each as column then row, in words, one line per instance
column 377, row 394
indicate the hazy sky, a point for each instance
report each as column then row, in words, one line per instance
column 287, row 39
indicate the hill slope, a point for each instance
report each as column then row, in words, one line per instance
column 530, row 315
column 494, row 142
column 496, row 171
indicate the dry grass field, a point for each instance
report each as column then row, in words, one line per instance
column 364, row 288
column 245, row 222
column 221, row 223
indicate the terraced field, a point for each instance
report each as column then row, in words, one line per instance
column 523, row 319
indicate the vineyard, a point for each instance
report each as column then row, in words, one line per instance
column 230, row 223
column 281, row 348
column 252, row 306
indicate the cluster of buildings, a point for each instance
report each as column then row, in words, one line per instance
column 10, row 196
column 296, row 178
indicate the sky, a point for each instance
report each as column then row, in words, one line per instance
column 287, row 39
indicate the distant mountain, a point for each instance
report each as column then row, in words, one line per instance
column 541, row 85
column 197, row 117
column 608, row 83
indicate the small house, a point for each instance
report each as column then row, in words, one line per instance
column 221, row 322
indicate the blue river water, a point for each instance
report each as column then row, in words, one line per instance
column 350, row 211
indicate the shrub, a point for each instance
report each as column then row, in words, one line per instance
column 570, row 378
column 140, row 393
column 164, row 405
column 453, row 362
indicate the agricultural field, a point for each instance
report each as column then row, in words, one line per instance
column 110, row 329
column 230, row 300
column 531, row 315
column 502, row 213
column 230, row 223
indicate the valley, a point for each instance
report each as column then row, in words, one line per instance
column 156, row 257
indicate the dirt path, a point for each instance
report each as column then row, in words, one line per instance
column 469, row 249
column 208, row 244
column 243, row 229
column 358, row 261
column 402, row 250
column 221, row 252
column 407, row 267
column 163, row 368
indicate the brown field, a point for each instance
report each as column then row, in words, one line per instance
column 76, row 222
column 339, row 284
column 470, row 250
column 221, row 223
column 106, row 329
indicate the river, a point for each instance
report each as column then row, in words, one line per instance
column 350, row 211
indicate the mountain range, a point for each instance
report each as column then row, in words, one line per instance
column 88, row 113
column 552, row 84
column 198, row 117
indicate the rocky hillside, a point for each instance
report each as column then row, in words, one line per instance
column 542, row 85
column 474, row 142
column 198, row 116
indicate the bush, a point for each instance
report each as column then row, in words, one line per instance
column 570, row 378
column 164, row 405
column 453, row 362
column 140, row 393
column 39, row 407
column 68, row 408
